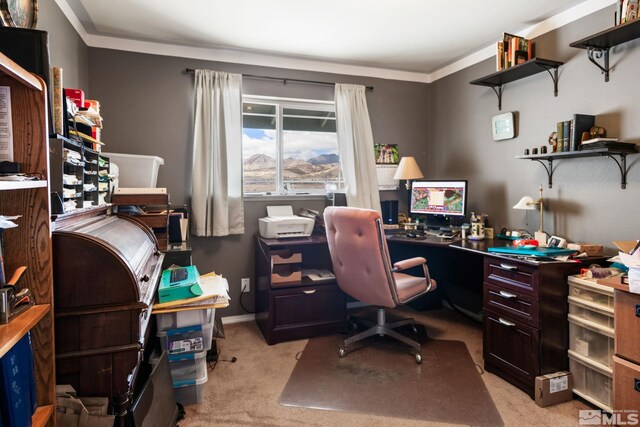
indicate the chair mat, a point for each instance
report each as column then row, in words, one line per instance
column 379, row 376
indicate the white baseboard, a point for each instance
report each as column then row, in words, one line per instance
column 238, row 319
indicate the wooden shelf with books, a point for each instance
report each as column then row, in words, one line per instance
column 620, row 151
column 598, row 44
column 528, row 68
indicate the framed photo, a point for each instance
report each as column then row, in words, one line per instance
column 386, row 154
column 19, row 13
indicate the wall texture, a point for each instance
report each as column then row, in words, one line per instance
column 146, row 102
column 147, row 107
column 66, row 48
column 586, row 203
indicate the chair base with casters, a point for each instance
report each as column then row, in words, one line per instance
column 382, row 328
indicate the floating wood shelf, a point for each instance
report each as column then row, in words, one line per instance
column 597, row 152
column 533, row 66
column 21, row 185
column 598, row 45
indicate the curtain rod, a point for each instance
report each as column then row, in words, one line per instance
column 285, row 80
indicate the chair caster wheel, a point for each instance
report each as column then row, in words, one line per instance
column 342, row 352
column 418, row 358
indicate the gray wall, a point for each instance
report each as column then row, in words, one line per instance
column 147, row 106
column 66, row 48
column 586, row 203
column 146, row 102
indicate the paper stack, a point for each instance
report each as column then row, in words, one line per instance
column 215, row 294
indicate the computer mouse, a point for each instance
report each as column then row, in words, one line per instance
column 412, row 235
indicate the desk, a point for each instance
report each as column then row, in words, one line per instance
column 523, row 303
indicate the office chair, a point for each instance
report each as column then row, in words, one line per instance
column 363, row 269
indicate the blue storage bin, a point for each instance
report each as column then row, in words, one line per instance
column 17, row 385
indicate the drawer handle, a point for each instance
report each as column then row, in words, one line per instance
column 505, row 322
column 636, row 384
column 309, row 291
column 508, row 266
column 507, row 294
column 637, row 310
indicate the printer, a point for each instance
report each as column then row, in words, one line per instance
column 280, row 222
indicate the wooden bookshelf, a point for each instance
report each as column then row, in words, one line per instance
column 598, row 44
column 29, row 244
column 497, row 80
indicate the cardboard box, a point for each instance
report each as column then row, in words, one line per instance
column 554, row 388
column 77, row 95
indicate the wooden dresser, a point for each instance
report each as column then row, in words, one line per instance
column 106, row 272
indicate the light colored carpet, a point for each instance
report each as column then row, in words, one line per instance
column 245, row 393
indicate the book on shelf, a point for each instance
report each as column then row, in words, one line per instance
column 579, row 124
column 513, row 50
column 596, row 140
column 559, row 136
column 566, row 134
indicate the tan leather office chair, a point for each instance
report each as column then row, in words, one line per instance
column 363, row 270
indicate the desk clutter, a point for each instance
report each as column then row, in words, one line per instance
column 186, row 323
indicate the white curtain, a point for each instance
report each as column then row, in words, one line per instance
column 355, row 141
column 216, row 189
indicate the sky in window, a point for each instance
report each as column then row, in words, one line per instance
column 297, row 144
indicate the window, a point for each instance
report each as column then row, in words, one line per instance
column 289, row 146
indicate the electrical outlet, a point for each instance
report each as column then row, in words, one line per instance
column 245, row 284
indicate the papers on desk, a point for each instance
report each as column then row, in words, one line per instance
column 633, row 262
column 215, row 294
column 319, row 276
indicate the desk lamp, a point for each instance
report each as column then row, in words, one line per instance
column 408, row 169
column 527, row 203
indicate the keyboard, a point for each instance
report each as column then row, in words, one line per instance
column 178, row 275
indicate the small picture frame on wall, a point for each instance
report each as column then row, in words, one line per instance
column 386, row 154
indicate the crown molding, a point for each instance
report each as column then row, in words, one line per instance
column 297, row 63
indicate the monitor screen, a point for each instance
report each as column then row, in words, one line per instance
column 439, row 199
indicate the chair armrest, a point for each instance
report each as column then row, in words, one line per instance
column 408, row 263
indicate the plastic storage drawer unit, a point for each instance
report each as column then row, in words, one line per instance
column 189, row 392
column 181, row 319
column 188, row 339
column 591, row 340
column 189, row 366
column 591, row 382
column 589, row 292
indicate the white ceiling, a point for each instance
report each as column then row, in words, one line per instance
column 405, row 37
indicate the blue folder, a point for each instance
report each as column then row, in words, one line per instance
column 518, row 250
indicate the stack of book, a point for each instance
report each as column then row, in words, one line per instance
column 569, row 133
column 626, row 11
column 513, row 50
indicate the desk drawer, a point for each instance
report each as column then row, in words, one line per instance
column 511, row 274
column 627, row 321
column 511, row 347
column 626, row 385
column 514, row 304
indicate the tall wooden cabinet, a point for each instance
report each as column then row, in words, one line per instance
column 30, row 243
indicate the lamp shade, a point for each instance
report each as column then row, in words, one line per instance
column 527, row 203
column 408, row 169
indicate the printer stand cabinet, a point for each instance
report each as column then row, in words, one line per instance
column 525, row 318
column 288, row 305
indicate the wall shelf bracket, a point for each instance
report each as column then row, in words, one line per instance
column 548, row 169
column 595, row 54
column 554, row 76
column 622, row 165
column 498, row 91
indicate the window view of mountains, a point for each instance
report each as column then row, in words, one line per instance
column 260, row 172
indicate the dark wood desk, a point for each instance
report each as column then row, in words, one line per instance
column 524, row 302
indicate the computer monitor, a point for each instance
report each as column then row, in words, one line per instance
column 439, row 203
